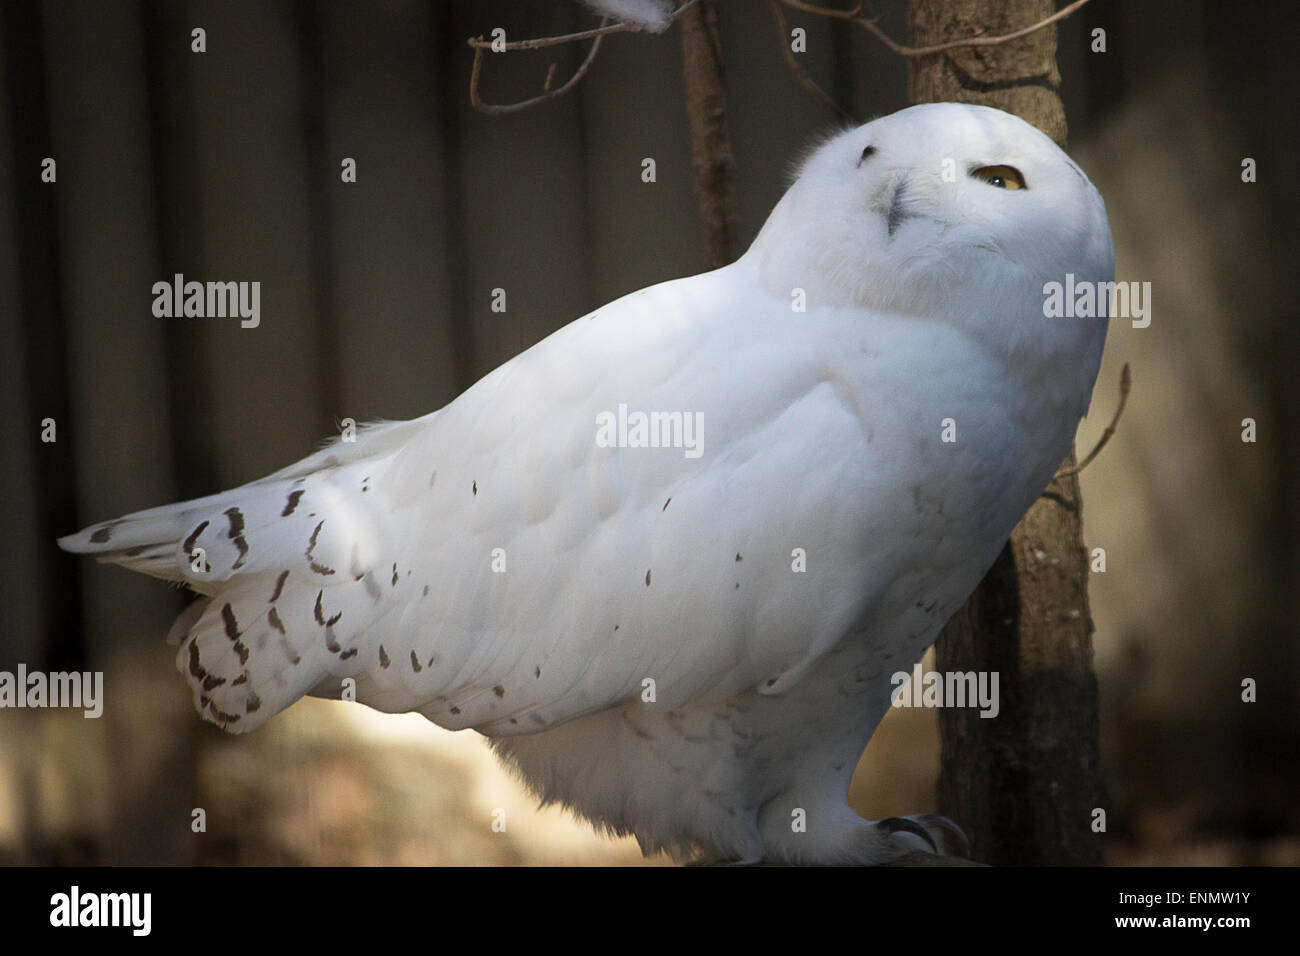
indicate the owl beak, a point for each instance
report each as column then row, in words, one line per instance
column 898, row 210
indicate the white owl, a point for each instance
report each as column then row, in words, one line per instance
column 668, row 558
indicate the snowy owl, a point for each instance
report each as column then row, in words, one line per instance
column 668, row 558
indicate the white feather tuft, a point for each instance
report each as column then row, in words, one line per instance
column 653, row 16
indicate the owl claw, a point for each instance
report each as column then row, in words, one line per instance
column 908, row 825
column 951, row 838
column 944, row 836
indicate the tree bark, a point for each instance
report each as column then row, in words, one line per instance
column 712, row 160
column 1025, row 784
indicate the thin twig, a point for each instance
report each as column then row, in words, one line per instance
column 827, row 11
column 852, row 16
column 538, row 43
column 1125, row 382
column 804, row 79
column 498, row 109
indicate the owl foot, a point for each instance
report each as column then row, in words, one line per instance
column 933, row 833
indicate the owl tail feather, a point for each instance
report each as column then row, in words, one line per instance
column 287, row 570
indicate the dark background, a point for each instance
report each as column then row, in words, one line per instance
column 376, row 304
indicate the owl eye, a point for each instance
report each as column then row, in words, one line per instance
column 1003, row 177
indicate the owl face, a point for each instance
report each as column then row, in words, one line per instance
column 942, row 210
column 968, row 183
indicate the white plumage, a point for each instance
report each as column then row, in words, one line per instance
column 651, row 15
column 492, row 566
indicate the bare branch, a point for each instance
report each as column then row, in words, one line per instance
column 538, row 43
column 1125, row 382
column 804, row 79
column 498, row 109
column 852, row 16
column 826, row 11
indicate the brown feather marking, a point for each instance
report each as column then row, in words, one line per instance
column 232, row 626
column 221, row 716
column 188, row 546
column 311, row 546
column 236, row 534
column 279, row 586
column 320, row 614
column 102, row 535
column 196, row 669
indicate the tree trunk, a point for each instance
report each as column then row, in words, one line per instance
column 1025, row 784
column 712, row 160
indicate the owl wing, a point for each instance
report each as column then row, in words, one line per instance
column 496, row 565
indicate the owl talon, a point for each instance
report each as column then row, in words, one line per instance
column 940, row 833
column 908, row 825
column 951, row 838
column 943, row 836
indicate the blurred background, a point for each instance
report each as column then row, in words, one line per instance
column 375, row 301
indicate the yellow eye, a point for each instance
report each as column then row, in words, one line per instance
column 1003, row 177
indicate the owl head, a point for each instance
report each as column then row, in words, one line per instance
column 943, row 211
